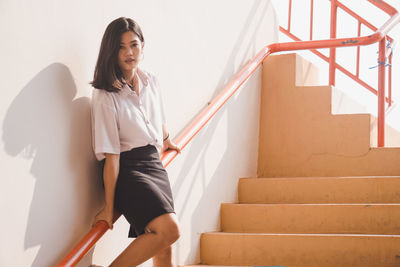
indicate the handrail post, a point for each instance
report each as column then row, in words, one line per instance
column 311, row 18
column 332, row 51
column 390, row 79
column 381, row 92
column 289, row 15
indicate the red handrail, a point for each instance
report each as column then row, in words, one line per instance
column 382, row 5
column 184, row 138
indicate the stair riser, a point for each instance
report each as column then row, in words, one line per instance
column 297, row 250
column 325, row 219
column 319, row 190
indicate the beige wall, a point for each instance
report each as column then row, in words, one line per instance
column 49, row 189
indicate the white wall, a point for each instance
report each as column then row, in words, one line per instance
column 50, row 189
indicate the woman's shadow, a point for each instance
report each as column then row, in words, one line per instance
column 48, row 126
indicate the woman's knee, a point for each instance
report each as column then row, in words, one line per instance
column 167, row 226
column 170, row 229
column 174, row 232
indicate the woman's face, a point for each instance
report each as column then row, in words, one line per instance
column 130, row 52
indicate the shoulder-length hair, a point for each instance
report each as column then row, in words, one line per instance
column 107, row 74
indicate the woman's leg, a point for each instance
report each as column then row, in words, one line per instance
column 164, row 231
column 163, row 258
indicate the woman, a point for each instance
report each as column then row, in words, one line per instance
column 129, row 132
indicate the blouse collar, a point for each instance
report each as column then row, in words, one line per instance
column 144, row 79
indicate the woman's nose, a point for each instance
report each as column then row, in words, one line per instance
column 129, row 51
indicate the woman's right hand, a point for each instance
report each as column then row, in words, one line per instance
column 105, row 215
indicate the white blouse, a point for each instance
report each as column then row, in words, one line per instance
column 123, row 120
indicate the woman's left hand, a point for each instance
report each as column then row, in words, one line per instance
column 168, row 144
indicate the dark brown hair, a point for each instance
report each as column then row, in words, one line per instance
column 107, row 74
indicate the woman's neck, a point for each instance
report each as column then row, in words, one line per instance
column 129, row 75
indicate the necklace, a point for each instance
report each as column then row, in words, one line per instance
column 133, row 85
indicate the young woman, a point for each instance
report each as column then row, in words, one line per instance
column 129, row 132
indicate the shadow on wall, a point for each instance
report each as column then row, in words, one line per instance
column 235, row 134
column 46, row 124
column 256, row 15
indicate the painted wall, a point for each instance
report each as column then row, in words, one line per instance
column 50, row 188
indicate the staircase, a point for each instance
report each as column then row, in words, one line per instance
column 323, row 196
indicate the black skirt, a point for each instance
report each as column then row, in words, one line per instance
column 143, row 191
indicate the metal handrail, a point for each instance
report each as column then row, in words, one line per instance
column 385, row 54
column 184, row 138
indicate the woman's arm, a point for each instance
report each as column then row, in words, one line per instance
column 110, row 176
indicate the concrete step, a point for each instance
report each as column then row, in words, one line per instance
column 311, row 218
column 305, row 250
column 384, row 189
column 200, row 265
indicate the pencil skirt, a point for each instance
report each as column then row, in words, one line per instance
column 143, row 190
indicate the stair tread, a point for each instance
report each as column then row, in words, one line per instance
column 285, row 234
column 195, row 265
column 324, row 178
column 312, row 190
column 311, row 218
column 312, row 204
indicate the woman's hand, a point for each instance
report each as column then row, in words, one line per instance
column 168, row 144
column 105, row 215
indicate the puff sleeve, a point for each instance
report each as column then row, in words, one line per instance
column 105, row 128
